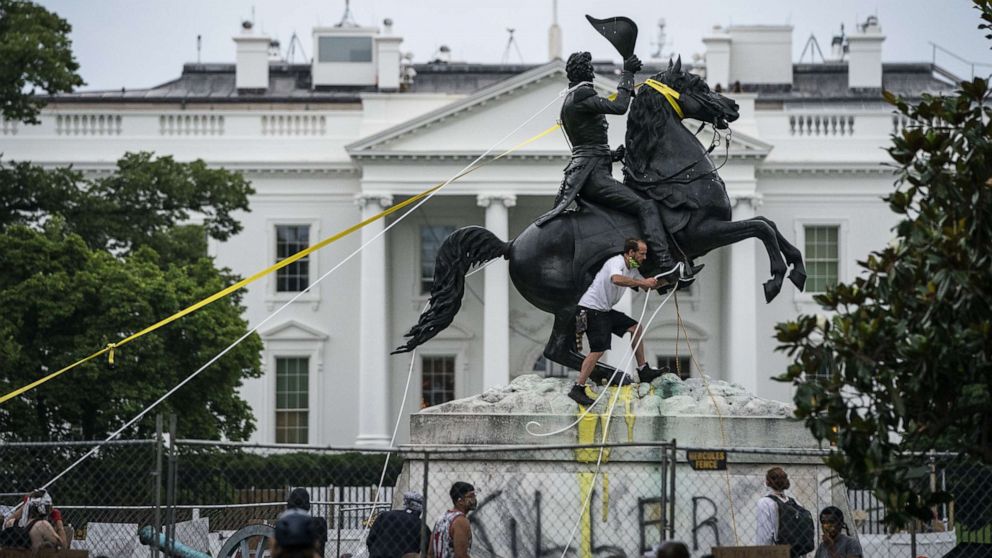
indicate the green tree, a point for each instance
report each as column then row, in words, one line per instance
column 87, row 262
column 904, row 364
column 36, row 56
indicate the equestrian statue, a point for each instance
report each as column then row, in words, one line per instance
column 672, row 197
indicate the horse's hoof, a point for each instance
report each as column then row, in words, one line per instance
column 798, row 279
column 772, row 288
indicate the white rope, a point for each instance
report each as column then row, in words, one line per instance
column 609, row 416
column 392, row 440
column 167, row 394
column 536, row 424
column 480, row 268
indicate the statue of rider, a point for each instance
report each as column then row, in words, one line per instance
column 589, row 174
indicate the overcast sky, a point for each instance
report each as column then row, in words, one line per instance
column 141, row 43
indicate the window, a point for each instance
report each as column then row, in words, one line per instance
column 292, row 400
column 821, row 257
column 290, row 239
column 431, row 237
column 344, row 49
column 550, row 369
column 681, row 365
column 438, row 380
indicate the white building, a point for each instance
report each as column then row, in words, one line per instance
column 329, row 143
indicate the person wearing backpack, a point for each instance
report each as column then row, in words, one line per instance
column 781, row 520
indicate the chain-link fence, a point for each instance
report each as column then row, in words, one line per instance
column 534, row 501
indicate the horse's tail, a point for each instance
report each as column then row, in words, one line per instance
column 462, row 249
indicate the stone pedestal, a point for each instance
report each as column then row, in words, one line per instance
column 538, row 496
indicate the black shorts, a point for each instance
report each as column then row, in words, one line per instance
column 600, row 325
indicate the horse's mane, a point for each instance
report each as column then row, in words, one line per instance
column 644, row 131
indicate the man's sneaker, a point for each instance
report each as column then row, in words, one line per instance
column 578, row 394
column 648, row 374
column 618, row 379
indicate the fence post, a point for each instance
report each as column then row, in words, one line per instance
column 157, row 473
column 340, row 508
column 664, row 495
column 423, row 515
column 671, row 494
column 170, row 495
column 912, row 537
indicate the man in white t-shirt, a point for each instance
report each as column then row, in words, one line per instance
column 602, row 321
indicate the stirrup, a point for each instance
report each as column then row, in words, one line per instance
column 676, row 268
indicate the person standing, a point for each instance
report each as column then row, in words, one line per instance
column 293, row 536
column 835, row 544
column 396, row 533
column 602, row 321
column 452, row 535
column 299, row 503
column 781, row 520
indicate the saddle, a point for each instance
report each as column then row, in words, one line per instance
column 600, row 232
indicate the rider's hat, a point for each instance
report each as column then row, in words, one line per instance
column 620, row 31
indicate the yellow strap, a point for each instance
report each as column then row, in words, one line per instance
column 110, row 348
column 670, row 94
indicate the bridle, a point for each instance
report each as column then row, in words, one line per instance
column 673, row 97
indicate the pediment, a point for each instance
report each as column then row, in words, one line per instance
column 472, row 125
column 293, row 330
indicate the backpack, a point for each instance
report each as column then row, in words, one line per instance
column 16, row 536
column 795, row 527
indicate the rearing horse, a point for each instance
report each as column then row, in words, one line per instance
column 552, row 265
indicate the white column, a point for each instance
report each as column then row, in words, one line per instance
column 742, row 294
column 373, row 354
column 496, row 309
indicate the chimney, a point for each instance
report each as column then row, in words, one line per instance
column 761, row 54
column 388, row 58
column 554, row 34
column 252, row 61
column 717, row 58
column 864, row 60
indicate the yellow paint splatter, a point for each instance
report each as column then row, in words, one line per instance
column 585, row 525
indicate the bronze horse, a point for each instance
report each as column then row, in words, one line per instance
column 552, row 265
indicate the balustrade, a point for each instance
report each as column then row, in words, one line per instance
column 88, row 124
column 191, row 125
column 294, row 125
column 821, row 124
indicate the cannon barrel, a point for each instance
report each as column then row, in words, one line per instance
column 147, row 537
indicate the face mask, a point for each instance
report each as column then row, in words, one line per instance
column 633, row 263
